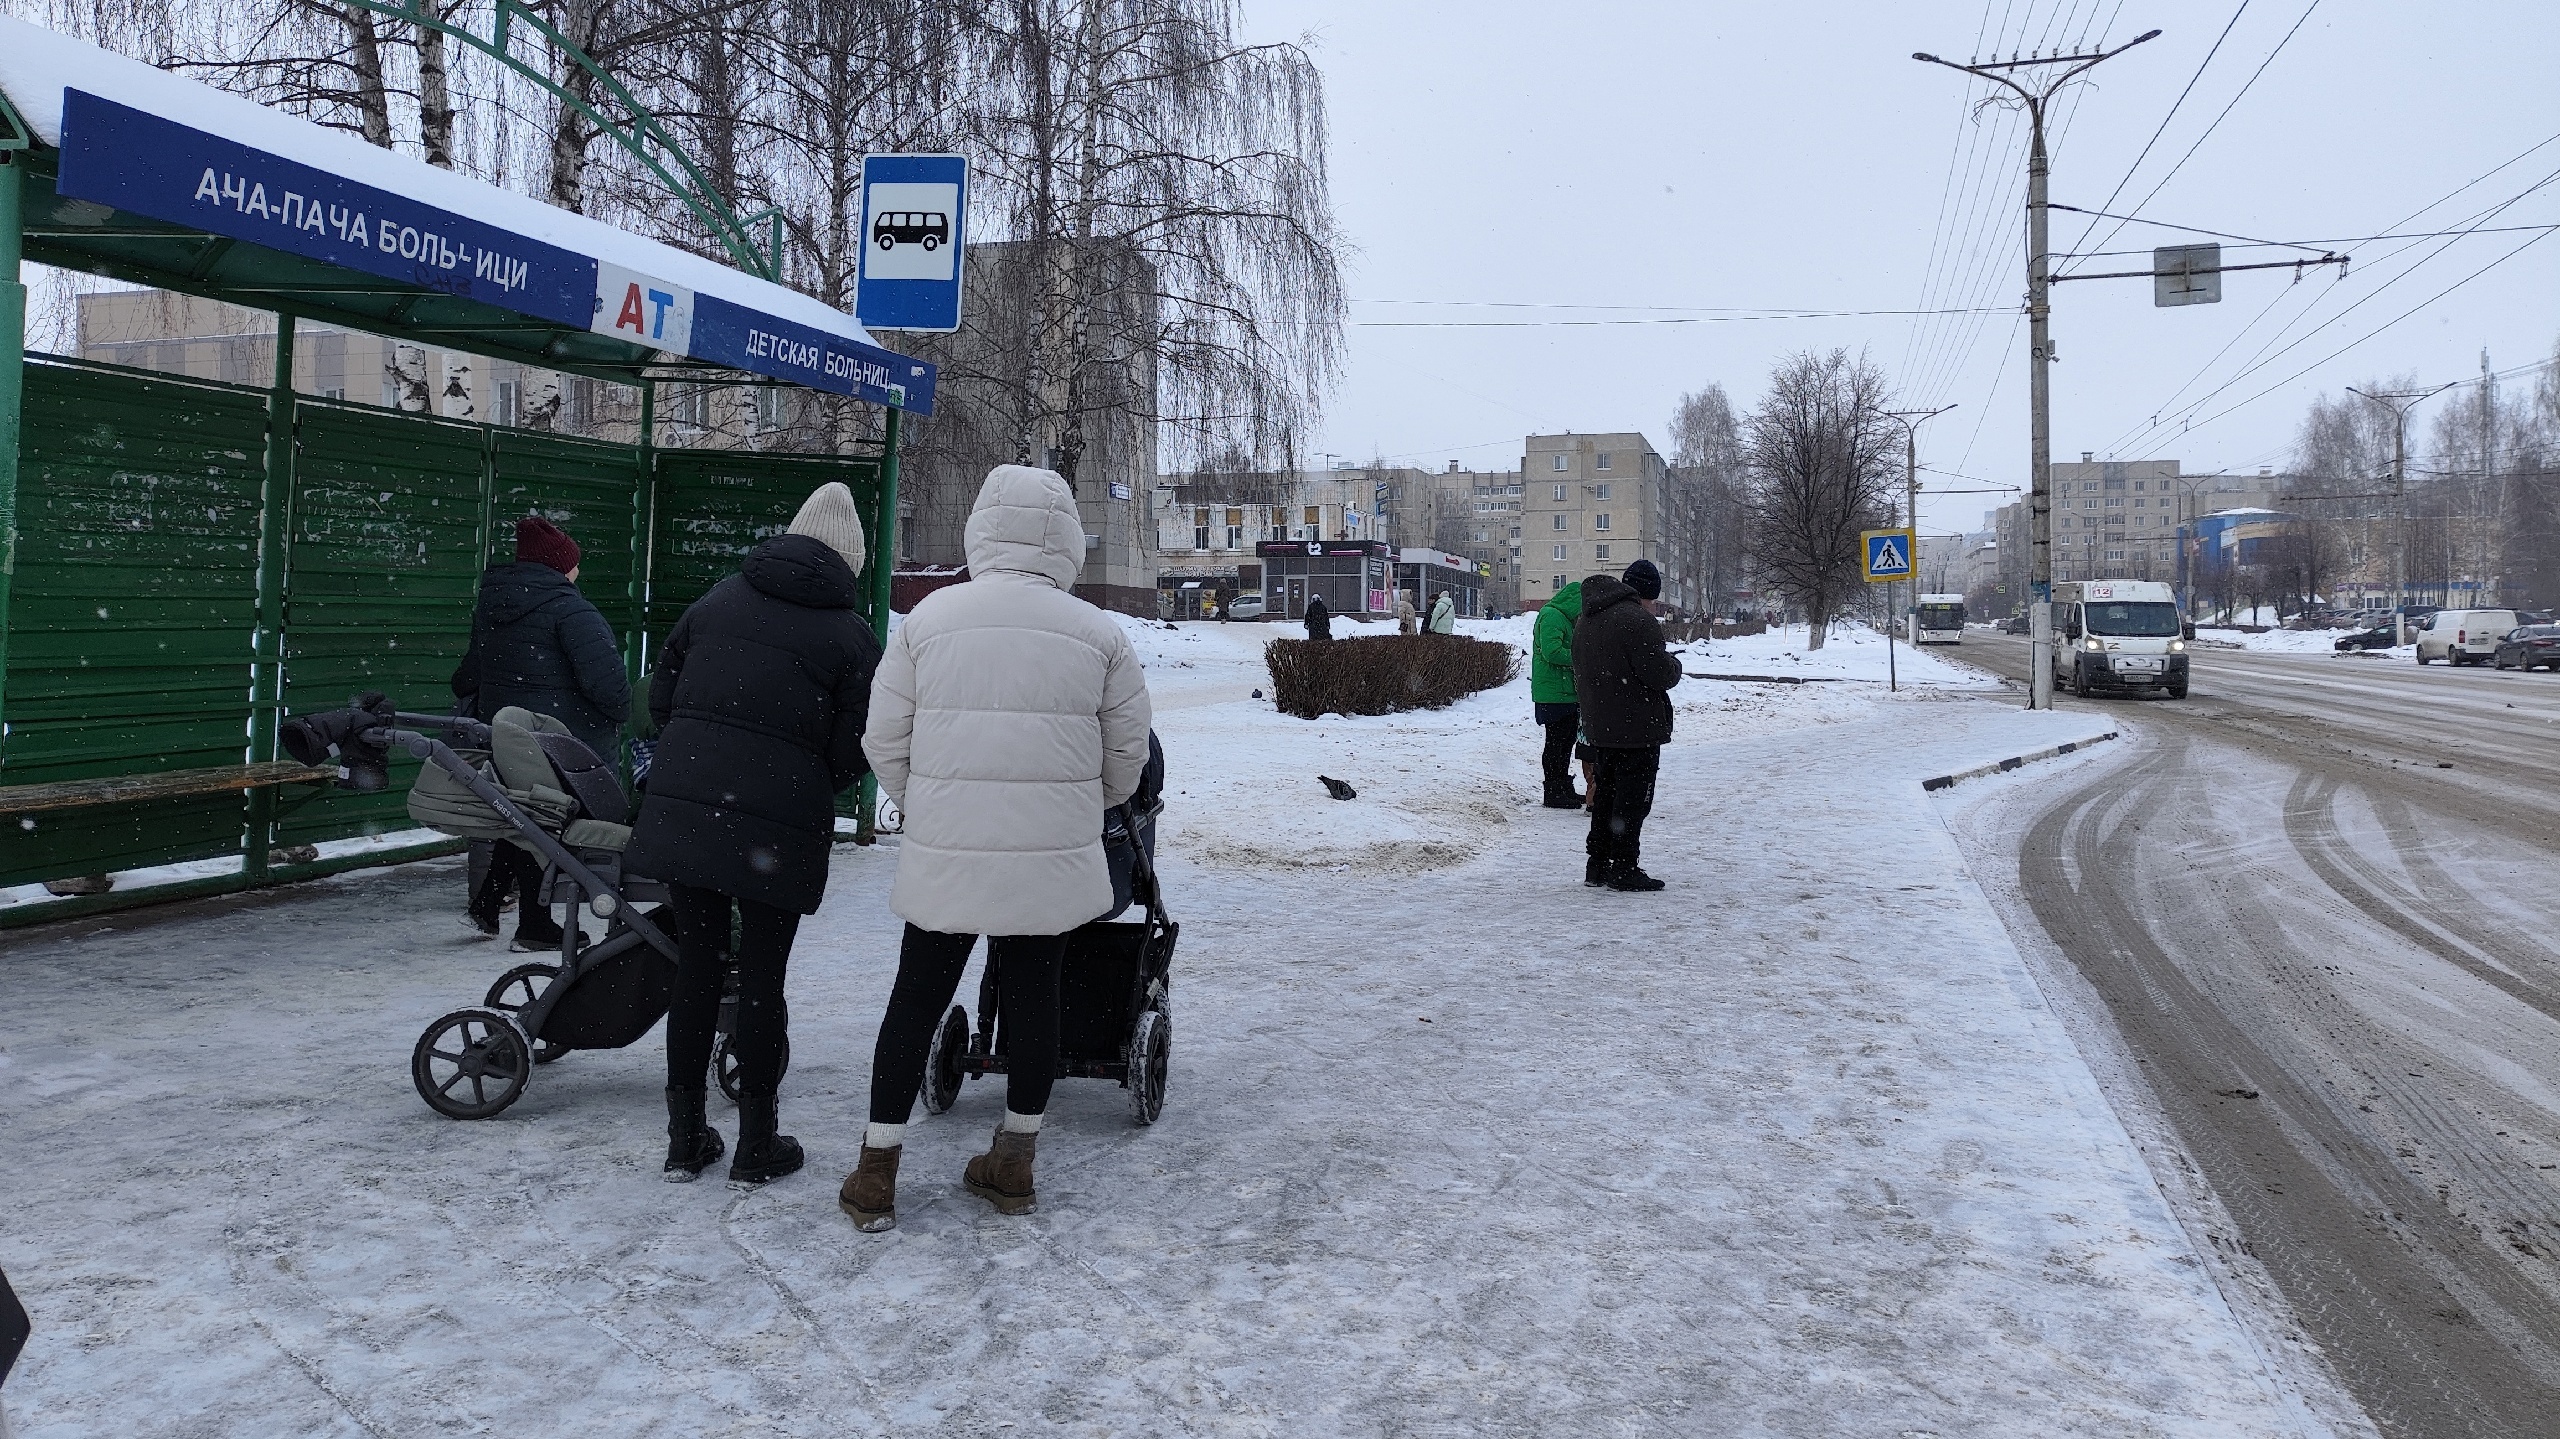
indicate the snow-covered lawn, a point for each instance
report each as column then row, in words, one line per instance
column 1453, row 1146
column 2284, row 642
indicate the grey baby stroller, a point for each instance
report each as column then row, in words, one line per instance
column 520, row 779
column 1115, row 989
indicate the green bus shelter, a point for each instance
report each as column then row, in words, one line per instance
column 184, row 563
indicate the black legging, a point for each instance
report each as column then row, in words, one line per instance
column 929, row 967
column 507, row 867
column 693, row 1019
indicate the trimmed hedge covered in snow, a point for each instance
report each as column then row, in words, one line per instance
column 1381, row 674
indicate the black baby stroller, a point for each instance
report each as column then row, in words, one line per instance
column 1115, row 989
column 523, row 779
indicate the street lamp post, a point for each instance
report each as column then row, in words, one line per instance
column 2039, row 341
column 2400, row 403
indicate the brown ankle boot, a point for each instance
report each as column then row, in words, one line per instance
column 1002, row 1175
column 870, row 1192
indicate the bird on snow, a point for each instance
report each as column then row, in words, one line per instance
column 1337, row 788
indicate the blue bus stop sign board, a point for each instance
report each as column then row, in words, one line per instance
column 915, row 212
column 1888, row 555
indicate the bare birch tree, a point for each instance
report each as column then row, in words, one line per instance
column 1135, row 143
column 1707, row 507
column 1821, row 469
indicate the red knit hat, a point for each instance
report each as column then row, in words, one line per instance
column 540, row 542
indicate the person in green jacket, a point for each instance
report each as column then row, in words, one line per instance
column 1553, row 699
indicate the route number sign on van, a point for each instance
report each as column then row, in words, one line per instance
column 1888, row 556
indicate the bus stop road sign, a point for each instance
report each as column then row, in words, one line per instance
column 1888, row 555
column 915, row 213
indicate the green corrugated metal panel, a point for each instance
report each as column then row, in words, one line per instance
column 384, row 567
column 131, row 610
column 713, row 506
column 584, row 487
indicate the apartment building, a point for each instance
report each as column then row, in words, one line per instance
column 2121, row 519
column 1591, row 504
column 1474, row 513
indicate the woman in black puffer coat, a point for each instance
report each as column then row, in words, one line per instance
column 759, row 695
column 537, row 642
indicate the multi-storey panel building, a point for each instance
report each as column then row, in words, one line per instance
column 1593, row 504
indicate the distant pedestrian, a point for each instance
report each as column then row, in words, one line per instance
column 1319, row 619
column 1552, row 698
column 760, row 694
column 1404, row 612
column 538, row 644
column 1444, row 615
column 1623, row 674
column 1007, row 717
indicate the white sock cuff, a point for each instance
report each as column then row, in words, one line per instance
column 876, row 1135
column 1021, row 1123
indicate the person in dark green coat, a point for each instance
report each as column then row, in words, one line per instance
column 1553, row 699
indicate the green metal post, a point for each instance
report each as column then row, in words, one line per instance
column 884, row 568
column 13, row 377
column 266, row 665
column 644, row 524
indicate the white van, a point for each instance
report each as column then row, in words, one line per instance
column 2463, row 637
column 2119, row 635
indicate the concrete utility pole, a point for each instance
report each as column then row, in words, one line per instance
column 1911, row 421
column 2046, row 84
column 2400, row 403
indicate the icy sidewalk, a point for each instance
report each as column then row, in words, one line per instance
column 1792, row 1148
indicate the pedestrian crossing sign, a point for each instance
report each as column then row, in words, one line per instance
column 1888, row 556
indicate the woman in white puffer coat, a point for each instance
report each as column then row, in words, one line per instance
column 1005, row 718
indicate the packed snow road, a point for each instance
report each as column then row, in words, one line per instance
column 1454, row 1145
column 2315, row 899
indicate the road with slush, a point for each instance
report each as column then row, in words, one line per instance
column 2320, row 899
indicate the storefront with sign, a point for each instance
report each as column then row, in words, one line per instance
column 1355, row 577
column 1427, row 574
column 183, row 562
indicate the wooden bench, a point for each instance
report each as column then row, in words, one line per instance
column 168, row 784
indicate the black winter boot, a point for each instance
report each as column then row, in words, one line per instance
column 1629, row 878
column 1595, row 871
column 762, row 1154
column 692, row 1144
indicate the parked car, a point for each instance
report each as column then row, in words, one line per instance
column 2535, row 617
column 2016, row 625
column 2528, row 648
column 1247, row 605
column 2377, row 638
column 2463, row 637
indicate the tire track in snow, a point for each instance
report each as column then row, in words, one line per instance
column 2309, row 1193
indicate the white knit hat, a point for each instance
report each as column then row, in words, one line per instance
column 828, row 515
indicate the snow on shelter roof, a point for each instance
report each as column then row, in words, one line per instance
column 144, row 142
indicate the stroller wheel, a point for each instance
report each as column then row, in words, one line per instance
column 724, row 1064
column 942, row 1061
column 471, row 1064
column 514, row 990
column 1150, row 1051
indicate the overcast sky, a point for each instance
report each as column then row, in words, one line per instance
column 1653, row 156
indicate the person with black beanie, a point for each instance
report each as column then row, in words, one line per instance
column 1624, row 673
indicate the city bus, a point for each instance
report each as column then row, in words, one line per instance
column 1938, row 620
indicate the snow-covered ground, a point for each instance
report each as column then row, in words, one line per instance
column 1454, row 1145
column 2301, row 642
